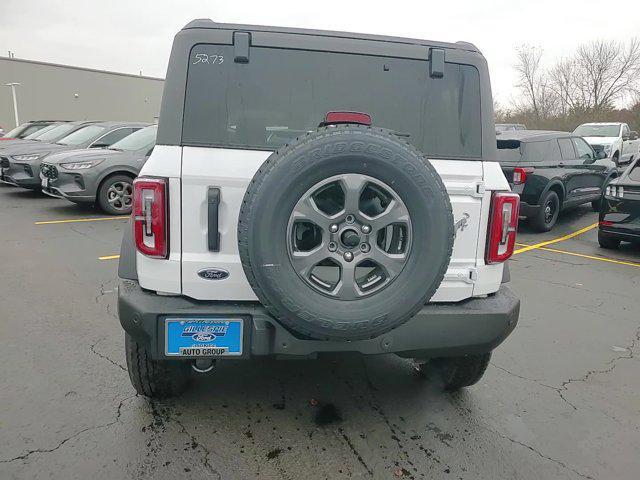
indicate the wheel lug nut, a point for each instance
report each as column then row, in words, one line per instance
column 348, row 256
column 366, row 229
column 350, row 219
column 333, row 228
column 332, row 246
column 364, row 247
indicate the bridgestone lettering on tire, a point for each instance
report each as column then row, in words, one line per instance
column 328, row 197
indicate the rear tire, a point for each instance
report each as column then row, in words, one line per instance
column 115, row 195
column 608, row 242
column 547, row 216
column 154, row 378
column 457, row 372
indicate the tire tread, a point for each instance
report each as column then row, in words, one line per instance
column 254, row 190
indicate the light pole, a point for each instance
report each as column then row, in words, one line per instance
column 13, row 86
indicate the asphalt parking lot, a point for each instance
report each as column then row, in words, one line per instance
column 560, row 399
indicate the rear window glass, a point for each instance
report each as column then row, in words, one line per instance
column 281, row 94
column 509, row 151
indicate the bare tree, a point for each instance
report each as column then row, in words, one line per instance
column 610, row 71
column 598, row 76
column 529, row 76
column 588, row 85
column 533, row 81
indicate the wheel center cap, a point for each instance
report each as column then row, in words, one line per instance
column 350, row 238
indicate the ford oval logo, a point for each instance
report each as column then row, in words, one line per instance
column 213, row 274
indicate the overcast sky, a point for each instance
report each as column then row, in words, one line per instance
column 134, row 35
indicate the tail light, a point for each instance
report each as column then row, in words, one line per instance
column 503, row 225
column 336, row 118
column 606, row 223
column 520, row 175
column 150, row 216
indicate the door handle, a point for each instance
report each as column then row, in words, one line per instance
column 213, row 207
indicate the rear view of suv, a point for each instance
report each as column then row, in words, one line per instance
column 552, row 171
column 314, row 192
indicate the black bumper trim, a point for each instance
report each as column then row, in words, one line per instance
column 621, row 233
column 527, row 210
column 473, row 326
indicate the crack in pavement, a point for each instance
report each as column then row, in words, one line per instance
column 612, row 365
column 504, row 436
column 537, row 452
column 564, row 386
column 93, row 350
column 194, row 442
column 26, row 455
column 534, row 380
column 102, row 292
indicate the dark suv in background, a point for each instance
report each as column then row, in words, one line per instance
column 552, row 171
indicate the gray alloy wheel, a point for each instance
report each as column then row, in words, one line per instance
column 329, row 238
column 349, row 253
column 116, row 195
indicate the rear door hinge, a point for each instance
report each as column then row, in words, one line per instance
column 472, row 189
column 466, row 275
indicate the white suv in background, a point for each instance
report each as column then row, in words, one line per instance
column 313, row 192
column 616, row 140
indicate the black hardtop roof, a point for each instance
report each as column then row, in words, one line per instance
column 525, row 136
column 207, row 23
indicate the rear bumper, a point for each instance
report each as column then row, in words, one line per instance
column 527, row 210
column 623, row 233
column 473, row 326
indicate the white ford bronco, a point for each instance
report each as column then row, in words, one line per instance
column 313, row 192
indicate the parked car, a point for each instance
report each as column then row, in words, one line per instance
column 508, row 127
column 552, row 171
column 102, row 176
column 616, row 140
column 49, row 134
column 21, row 164
column 9, row 143
column 620, row 212
column 345, row 239
column 26, row 129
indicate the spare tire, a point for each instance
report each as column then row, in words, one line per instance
column 345, row 233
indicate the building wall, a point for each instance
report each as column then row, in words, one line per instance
column 50, row 91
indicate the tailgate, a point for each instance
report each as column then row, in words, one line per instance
column 229, row 171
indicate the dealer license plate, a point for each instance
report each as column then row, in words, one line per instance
column 200, row 337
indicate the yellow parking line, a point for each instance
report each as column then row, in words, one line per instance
column 555, row 240
column 582, row 255
column 109, row 257
column 77, row 220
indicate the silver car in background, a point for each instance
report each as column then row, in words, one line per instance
column 103, row 177
column 21, row 164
